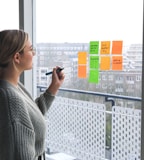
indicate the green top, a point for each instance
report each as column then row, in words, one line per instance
column 22, row 123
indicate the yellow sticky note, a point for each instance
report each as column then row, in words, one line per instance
column 117, row 47
column 82, row 71
column 105, row 63
column 105, row 47
column 117, row 62
column 82, row 57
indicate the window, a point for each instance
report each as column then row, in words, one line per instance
column 66, row 27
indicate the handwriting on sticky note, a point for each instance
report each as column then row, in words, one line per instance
column 94, row 47
column 117, row 62
column 105, row 47
column 94, row 62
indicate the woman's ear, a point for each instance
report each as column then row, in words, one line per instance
column 17, row 58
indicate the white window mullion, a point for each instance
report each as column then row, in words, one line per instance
column 27, row 23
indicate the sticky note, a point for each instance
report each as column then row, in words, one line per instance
column 94, row 76
column 94, row 62
column 105, row 47
column 117, row 62
column 105, row 63
column 94, row 47
column 82, row 71
column 82, row 57
column 117, row 47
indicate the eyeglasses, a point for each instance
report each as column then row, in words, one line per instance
column 32, row 49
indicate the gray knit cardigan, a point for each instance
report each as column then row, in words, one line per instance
column 22, row 122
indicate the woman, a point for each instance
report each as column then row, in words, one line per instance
column 22, row 123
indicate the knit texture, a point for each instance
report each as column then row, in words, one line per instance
column 22, row 122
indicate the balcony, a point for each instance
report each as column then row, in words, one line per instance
column 92, row 131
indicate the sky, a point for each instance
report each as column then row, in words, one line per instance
column 80, row 20
column 88, row 20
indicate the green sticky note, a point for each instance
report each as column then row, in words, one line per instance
column 94, row 62
column 94, row 76
column 94, row 47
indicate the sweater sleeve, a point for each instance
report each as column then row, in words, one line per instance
column 44, row 101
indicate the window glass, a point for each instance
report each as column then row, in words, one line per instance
column 99, row 44
column 65, row 30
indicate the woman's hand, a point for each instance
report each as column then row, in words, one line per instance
column 57, row 81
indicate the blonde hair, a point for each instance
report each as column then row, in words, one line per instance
column 11, row 42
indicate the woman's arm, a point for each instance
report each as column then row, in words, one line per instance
column 45, row 100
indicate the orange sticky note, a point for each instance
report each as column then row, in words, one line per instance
column 117, row 47
column 82, row 71
column 117, row 62
column 105, row 63
column 82, row 57
column 105, row 47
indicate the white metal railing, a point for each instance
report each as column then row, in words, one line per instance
column 78, row 128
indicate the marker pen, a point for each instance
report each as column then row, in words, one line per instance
column 58, row 70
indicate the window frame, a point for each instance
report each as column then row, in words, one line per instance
column 27, row 23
